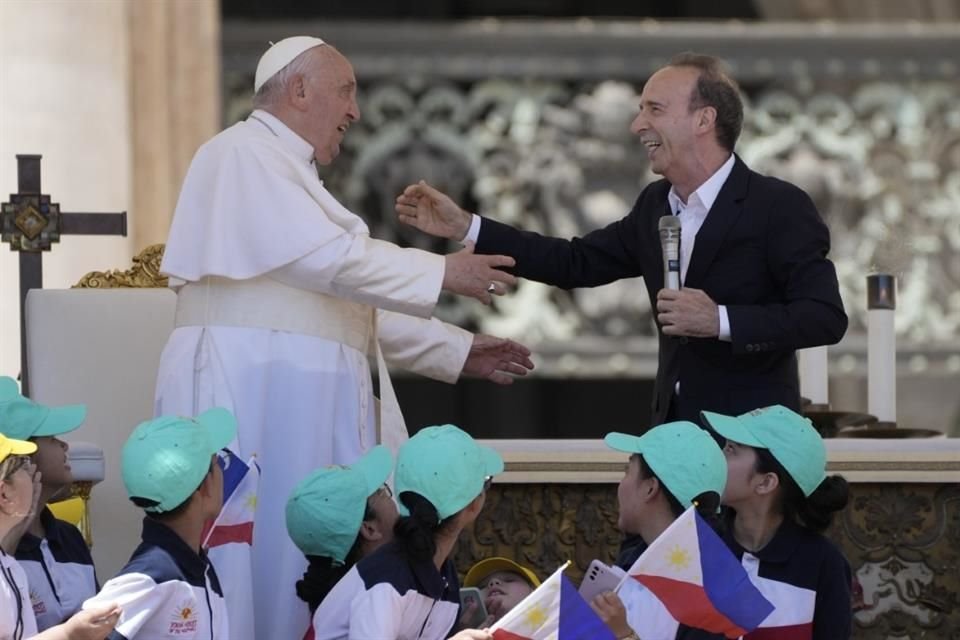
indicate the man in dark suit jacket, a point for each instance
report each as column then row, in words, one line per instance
column 757, row 284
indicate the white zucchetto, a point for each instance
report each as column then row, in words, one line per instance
column 280, row 55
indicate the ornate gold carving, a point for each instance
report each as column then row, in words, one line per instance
column 902, row 542
column 145, row 273
column 82, row 489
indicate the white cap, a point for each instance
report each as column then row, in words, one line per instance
column 280, row 55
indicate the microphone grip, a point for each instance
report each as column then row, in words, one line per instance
column 670, row 244
column 672, row 280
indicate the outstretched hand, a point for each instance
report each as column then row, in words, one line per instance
column 473, row 634
column 497, row 359
column 92, row 624
column 477, row 276
column 432, row 211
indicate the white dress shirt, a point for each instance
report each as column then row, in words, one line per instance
column 692, row 214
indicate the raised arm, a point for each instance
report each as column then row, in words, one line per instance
column 600, row 257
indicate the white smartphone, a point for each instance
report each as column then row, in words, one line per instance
column 598, row 579
column 468, row 595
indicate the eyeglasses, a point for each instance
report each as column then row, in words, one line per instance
column 17, row 463
column 385, row 489
column 487, row 482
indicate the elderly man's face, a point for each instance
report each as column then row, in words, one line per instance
column 332, row 104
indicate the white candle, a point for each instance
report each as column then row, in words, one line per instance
column 881, row 348
column 814, row 376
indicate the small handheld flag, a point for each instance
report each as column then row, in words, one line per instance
column 699, row 580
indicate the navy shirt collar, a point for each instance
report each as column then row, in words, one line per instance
column 192, row 564
column 780, row 548
column 30, row 542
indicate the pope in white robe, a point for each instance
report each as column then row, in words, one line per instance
column 283, row 302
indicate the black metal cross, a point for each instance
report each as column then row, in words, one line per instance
column 30, row 224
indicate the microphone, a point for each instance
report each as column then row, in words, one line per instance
column 669, row 227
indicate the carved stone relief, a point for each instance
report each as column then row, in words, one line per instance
column 902, row 542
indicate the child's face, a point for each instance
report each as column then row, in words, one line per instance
column 630, row 498
column 385, row 515
column 741, row 473
column 502, row 591
column 51, row 461
column 215, row 490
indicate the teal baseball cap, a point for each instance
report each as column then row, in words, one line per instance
column 790, row 438
column 446, row 466
column 325, row 511
column 685, row 458
column 21, row 418
column 166, row 459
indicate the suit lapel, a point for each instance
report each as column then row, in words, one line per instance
column 723, row 214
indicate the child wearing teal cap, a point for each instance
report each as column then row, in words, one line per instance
column 409, row 588
column 672, row 466
column 338, row 515
column 169, row 589
column 18, row 489
column 780, row 502
column 52, row 552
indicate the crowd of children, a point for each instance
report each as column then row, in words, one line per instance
column 380, row 561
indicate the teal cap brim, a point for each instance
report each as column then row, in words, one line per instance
column 376, row 465
column 61, row 420
column 623, row 442
column 492, row 462
column 221, row 427
column 731, row 428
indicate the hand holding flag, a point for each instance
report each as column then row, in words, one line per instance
column 697, row 578
column 553, row 611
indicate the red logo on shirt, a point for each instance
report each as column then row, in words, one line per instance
column 184, row 621
column 39, row 606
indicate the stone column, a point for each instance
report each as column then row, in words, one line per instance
column 174, row 103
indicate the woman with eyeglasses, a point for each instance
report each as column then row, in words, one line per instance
column 338, row 515
column 409, row 589
column 19, row 487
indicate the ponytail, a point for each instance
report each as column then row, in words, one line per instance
column 322, row 574
column 319, row 578
column 814, row 512
column 415, row 534
column 706, row 503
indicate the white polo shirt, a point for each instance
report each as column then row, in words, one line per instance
column 385, row 595
column 16, row 614
column 59, row 570
column 167, row 590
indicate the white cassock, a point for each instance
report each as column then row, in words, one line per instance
column 285, row 297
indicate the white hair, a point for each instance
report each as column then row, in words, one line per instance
column 272, row 91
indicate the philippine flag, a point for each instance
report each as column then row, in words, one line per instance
column 696, row 577
column 554, row 611
column 235, row 522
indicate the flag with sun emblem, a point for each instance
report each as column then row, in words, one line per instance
column 240, row 482
column 700, row 582
column 553, row 611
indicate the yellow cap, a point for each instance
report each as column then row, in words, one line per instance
column 484, row 568
column 11, row 447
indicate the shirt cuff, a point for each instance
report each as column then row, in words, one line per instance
column 724, row 324
column 474, row 231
